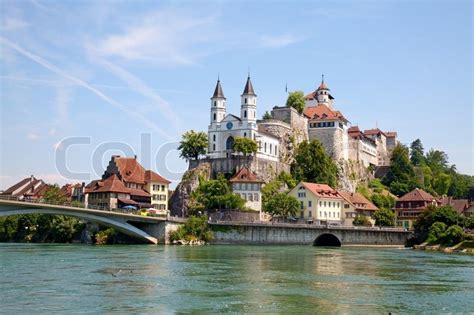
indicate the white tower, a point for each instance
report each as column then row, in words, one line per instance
column 322, row 94
column 248, row 107
column 217, row 104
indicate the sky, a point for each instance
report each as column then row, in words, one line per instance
column 82, row 80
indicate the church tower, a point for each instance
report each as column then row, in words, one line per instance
column 322, row 94
column 248, row 107
column 218, row 104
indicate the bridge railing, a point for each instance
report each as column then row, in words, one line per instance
column 66, row 204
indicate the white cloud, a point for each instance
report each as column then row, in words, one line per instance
column 280, row 40
column 32, row 136
column 13, row 24
column 167, row 37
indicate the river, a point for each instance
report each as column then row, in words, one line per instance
column 43, row 278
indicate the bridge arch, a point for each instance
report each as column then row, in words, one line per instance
column 327, row 239
column 121, row 225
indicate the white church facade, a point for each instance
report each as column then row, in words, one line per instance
column 225, row 128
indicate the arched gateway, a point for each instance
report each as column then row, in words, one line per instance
column 327, row 239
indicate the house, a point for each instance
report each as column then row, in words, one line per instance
column 319, row 203
column 460, row 205
column 126, row 183
column 411, row 205
column 246, row 184
column 29, row 188
column 356, row 204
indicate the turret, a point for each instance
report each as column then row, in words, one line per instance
column 218, row 104
column 248, row 107
column 322, row 94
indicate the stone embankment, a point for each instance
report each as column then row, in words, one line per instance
column 466, row 247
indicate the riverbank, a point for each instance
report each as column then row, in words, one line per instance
column 465, row 247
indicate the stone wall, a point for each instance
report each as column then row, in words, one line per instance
column 331, row 139
column 240, row 233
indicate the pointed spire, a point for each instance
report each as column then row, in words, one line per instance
column 218, row 93
column 248, row 90
column 323, row 85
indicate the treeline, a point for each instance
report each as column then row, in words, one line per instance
column 413, row 168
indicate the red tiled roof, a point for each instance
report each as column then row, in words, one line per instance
column 114, row 184
column 321, row 190
column 321, row 111
column 459, row 204
column 417, row 195
column 358, row 200
column 391, row 134
column 130, row 170
column 373, row 132
column 127, row 201
column 21, row 183
column 244, row 175
column 151, row 176
column 353, row 129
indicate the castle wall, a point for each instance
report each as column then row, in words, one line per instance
column 332, row 139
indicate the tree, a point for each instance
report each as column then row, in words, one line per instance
column 267, row 116
column 432, row 214
column 383, row 201
column 361, row 220
column 454, row 234
column 216, row 194
column 436, row 233
column 287, row 179
column 296, row 100
column 417, row 156
column 245, row 146
column 469, row 223
column 441, row 184
column 437, row 161
column 312, row 164
column 54, row 195
column 193, row 144
column 282, row 205
column 195, row 228
column 384, row 217
column 401, row 174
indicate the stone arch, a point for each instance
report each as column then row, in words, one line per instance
column 229, row 144
column 327, row 239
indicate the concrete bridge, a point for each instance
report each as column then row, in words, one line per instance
column 306, row 234
column 152, row 230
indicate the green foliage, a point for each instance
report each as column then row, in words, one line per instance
column 282, row 205
column 384, row 217
column 361, row 220
column 193, row 144
column 267, row 116
column 54, row 195
column 401, row 175
column 417, row 156
column 245, row 145
column 270, row 190
column 444, row 214
column 296, row 100
column 216, row 194
column 312, row 164
column 287, row 179
column 362, row 189
column 77, row 204
column 436, row 233
column 376, row 183
column 441, row 184
column 469, row 222
column 454, row 235
column 196, row 228
column 107, row 236
column 383, row 201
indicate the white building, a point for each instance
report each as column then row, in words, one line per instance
column 225, row 128
column 248, row 186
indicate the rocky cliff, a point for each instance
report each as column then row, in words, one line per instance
column 351, row 174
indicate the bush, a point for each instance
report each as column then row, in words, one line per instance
column 383, row 201
column 361, row 220
column 445, row 214
column 436, row 233
column 469, row 222
column 105, row 237
column 384, row 217
column 196, row 228
column 454, row 234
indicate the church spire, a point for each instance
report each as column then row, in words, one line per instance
column 248, row 90
column 218, row 92
column 323, row 85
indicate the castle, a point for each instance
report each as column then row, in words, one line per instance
column 278, row 136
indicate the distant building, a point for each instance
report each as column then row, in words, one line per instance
column 126, row 183
column 248, row 186
column 462, row 206
column 411, row 205
column 29, row 188
column 356, row 204
column 319, row 203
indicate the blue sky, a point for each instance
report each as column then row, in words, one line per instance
column 114, row 72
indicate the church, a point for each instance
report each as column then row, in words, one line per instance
column 224, row 127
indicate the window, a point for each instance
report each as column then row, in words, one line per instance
column 301, row 205
column 245, row 114
column 245, row 134
column 250, row 197
column 245, row 100
column 215, row 103
column 320, row 213
column 310, row 214
column 214, row 116
column 214, row 147
column 162, row 187
column 256, row 197
column 214, row 137
column 325, row 203
column 310, row 204
column 346, row 206
column 270, row 148
column 320, row 203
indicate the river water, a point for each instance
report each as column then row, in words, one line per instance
column 73, row 279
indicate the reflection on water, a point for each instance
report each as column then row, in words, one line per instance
column 296, row 279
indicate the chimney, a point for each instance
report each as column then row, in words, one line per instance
column 32, row 178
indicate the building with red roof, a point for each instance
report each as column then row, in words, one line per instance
column 356, row 204
column 246, row 184
column 411, row 205
column 126, row 182
column 319, row 203
column 29, row 188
